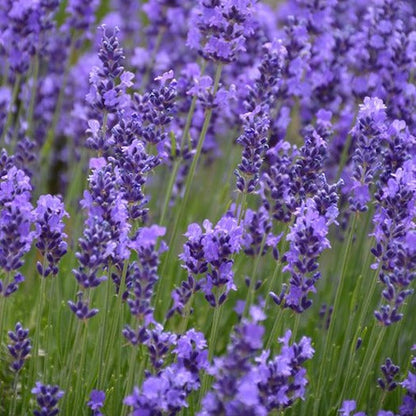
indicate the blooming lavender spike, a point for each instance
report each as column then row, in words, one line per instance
column 16, row 218
column 389, row 371
column 49, row 224
column 96, row 402
column 308, row 238
column 81, row 308
column 47, row 398
column 20, row 346
column 168, row 390
column 218, row 29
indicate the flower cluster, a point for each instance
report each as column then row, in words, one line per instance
column 246, row 380
column 20, row 346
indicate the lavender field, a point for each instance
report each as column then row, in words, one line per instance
column 207, row 207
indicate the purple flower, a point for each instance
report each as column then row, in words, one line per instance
column 219, row 29
column 308, row 238
column 96, row 402
column 16, row 218
column 50, row 236
column 20, row 347
column 47, row 398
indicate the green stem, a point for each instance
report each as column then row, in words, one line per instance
column 339, row 292
column 9, row 118
column 180, row 211
column 168, row 192
column 33, row 95
column 252, row 286
column 369, row 359
column 212, row 344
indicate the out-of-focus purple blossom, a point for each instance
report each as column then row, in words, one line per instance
column 47, row 398
column 50, row 235
column 16, row 218
column 20, row 347
column 368, row 133
column 96, row 402
column 218, row 29
column 395, row 248
column 81, row 14
column 348, row 407
column 109, row 82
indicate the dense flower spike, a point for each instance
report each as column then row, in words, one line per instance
column 20, row 347
column 47, row 398
column 108, row 84
column 219, row 29
column 390, row 372
column 16, row 218
column 247, row 381
column 96, row 402
column 50, row 236
column 395, row 241
column 167, row 391
column 368, row 133
column 210, row 253
column 308, row 238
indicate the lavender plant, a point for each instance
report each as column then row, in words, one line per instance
column 207, row 207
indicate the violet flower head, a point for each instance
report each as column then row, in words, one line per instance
column 368, row 134
column 81, row 14
column 210, row 253
column 16, row 218
column 390, row 371
column 20, row 347
column 96, row 402
column 47, row 398
column 167, row 391
column 81, row 308
column 219, row 29
column 50, row 234
column 109, row 82
column 308, row 238
column 395, row 248
column 408, row 406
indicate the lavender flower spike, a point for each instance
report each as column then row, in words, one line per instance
column 49, row 231
column 20, row 346
column 47, row 398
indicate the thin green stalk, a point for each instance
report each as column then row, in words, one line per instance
column 130, row 376
column 211, row 352
column 275, row 329
column 339, row 292
column 39, row 332
column 33, row 95
column 252, row 286
column 103, row 330
column 168, row 192
column 369, row 359
column 184, row 201
column 82, row 364
column 14, row 401
column 9, row 118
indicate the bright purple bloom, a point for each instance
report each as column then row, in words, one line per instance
column 96, row 402
column 47, row 398
column 219, row 29
column 20, row 347
column 50, row 234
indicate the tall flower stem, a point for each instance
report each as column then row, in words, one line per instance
column 184, row 201
column 9, row 118
column 212, row 345
column 339, row 292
